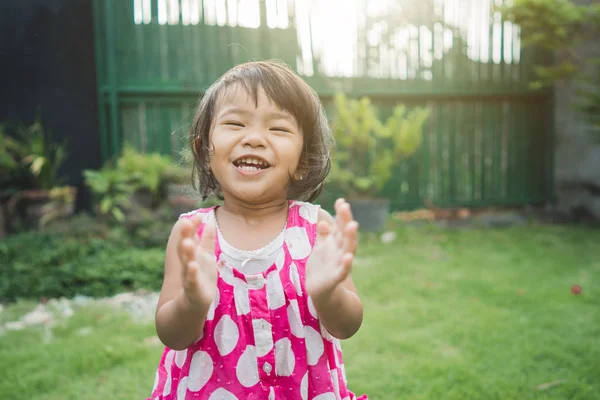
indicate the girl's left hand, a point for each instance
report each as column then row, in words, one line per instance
column 330, row 262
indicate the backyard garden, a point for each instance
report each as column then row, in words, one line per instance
column 473, row 285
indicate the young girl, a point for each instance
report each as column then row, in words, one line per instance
column 257, row 292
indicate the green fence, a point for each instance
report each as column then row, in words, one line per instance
column 489, row 138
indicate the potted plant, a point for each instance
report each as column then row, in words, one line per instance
column 48, row 199
column 112, row 191
column 179, row 191
column 36, row 161
column 11, row 170
column 145, row 172
column 366, row 152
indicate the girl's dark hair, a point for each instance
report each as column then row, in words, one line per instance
column 290, row 93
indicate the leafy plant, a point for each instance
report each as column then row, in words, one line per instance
column 61, row 203
column 112, row 189
column 87, row 262
column 176, row 174
column 43, row 157
column 561, row 26
column 11, row 151
column 368, row 149
column 143, row 170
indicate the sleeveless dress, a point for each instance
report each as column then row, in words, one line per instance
column 262, row 339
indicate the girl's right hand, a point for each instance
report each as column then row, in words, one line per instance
column 197, row 256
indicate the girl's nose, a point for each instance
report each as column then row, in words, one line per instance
column 255, row 138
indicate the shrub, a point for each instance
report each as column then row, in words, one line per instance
column 83, row 257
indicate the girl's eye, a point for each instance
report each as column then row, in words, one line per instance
column 234, row 123
column 281, row 129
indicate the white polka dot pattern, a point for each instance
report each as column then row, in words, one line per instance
column 226, row 335
column 294, row 319
column 262, row 337
column 296, row 239
column 246, row 369
column 222, row 394
column 211, row 311
column 314, row 345
column 182, row 388
column 295, row 278
column 180, row 357
column 201, row 369
column 275, row 294
column 284, row 357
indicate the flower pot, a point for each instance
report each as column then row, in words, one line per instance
column 143, row 198
column 181, row 198
column 40, row 207
column 371, row 214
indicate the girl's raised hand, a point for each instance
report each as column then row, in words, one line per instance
column 197, row 256
column 330, row 262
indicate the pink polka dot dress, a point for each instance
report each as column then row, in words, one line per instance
column 262, row 339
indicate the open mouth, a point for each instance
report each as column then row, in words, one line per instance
column 251, row 164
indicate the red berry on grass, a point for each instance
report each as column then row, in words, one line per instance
column 576, row 289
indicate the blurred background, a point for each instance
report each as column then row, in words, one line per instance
column 468, row 143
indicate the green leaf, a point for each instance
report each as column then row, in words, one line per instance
column 37, row 165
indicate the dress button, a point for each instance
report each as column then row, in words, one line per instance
column 267, row 368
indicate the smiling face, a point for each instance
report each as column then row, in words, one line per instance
column 263, row 120
column 256, row 147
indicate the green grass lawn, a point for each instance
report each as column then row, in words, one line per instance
column 449, row 314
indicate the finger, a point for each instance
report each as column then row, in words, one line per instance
column 351, row 237
column 323, row 231
column 339, row 205
column 196, row 222
column 339, row 202
column 187, row 228
column 191, row 275
column 344, row 214
column 345, row 266
column 209, row 236
column 186, row 250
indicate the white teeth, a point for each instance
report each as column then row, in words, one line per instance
column 249, row 169
column 252, row 161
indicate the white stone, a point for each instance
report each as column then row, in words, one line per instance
column 388, row 237
column 37, row 317
column 15, row 326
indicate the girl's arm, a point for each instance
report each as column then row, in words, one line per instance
column 340, row 310
column 179, row 321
